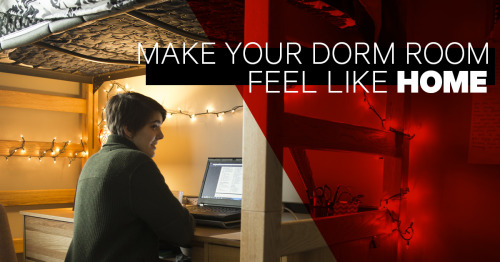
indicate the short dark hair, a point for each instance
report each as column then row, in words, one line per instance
column 132, row 110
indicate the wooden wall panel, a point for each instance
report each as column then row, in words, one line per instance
column 42, row 102
column 36, row 197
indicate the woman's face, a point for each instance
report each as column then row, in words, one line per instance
column 147, row 137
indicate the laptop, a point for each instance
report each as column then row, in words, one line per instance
column 219, row 201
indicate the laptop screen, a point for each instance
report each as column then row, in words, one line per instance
column 222, row 183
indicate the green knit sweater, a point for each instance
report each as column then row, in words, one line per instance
column 123, row 208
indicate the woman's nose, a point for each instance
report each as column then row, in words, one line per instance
column 160, row 134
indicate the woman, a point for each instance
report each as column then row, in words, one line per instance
column 123, row 207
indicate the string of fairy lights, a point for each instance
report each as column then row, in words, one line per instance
column 218, row 114
column 382, row 120
column 13, row 151
column 55, row 152
column 407, row 233
column 372, row 108
column 170, row 113
column 104, row 133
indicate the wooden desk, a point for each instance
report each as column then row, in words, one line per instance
column 48, row 233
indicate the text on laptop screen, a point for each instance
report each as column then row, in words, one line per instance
column 223, row 181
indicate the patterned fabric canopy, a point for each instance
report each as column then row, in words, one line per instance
column 71, row 27
column 16, row 15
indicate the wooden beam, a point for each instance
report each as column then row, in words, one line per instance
column 43, row 102
column 300, row 157
column 35, row 149
column 317, row 134
column 396, row 170
column 36, row 197
column 88, row 119
column 262, row 170
column 396, row 175
column 94, row 145
column 304, row 235
column 18, row 245
column 261, row 205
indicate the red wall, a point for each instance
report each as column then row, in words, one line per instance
column 452, row 203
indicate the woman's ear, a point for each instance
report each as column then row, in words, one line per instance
column 127, row 132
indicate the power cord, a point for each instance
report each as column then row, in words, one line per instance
column 284, row 208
